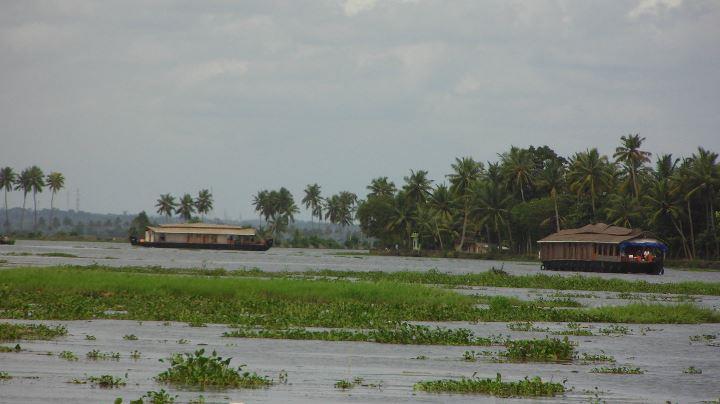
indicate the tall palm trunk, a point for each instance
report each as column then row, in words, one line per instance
column 34, row 210
column 464, row 226
column 557, row 213
column 688, row 254
column 22, row 213
column 692, row 231
column 437, row 230
column 52, row 199
column 7, row 218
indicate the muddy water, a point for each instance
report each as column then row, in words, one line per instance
column 278, row 259
column 313, row 367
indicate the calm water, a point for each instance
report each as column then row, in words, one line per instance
column 278, row 259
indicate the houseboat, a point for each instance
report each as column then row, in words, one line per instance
column 202, row 236
column 602, row 248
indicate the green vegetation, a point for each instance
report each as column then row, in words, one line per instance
column 615, row 329
column 95, row 355
column 5, row 376
column 575, row 329
column 90, row 337
column 525, row 326
column 6, row 349
column 402, row 334
column 344, row 384
column 623, row 370
column 57, row 255
column 135, row 355
column 10, row 332
column 106, row 381
column 209, row 371
column 534, row 387
column 159, row 397
column 595, row 358
column 130, row 337
column 68, row 356
column 540, row 350
column 692, row 370
column 703, row 338
column 72, row 293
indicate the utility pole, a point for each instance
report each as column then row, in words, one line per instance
column 77, row 200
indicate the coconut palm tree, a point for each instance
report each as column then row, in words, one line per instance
column 704, row 177
column 664, row 203
column 552, row 178
column 381, row 186
column 589, row 175
column 56, row 182
column 623, row 210
column 186, row 207
column 491, row 207
column 263, row 204
column 23, row 184
column 7, row 182
column 441, row 205
column 403, row 217
column 204, row 202
column 632, row 158
column 417, row 186
column 37, row 182
column 466, row 173
column 313, row 201
column 517, row 168
column 166, row 205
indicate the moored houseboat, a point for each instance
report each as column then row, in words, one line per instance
column 602, row 248
column 202, row 236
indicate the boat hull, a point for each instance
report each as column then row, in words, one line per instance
column 653, row 268
column 264, row 246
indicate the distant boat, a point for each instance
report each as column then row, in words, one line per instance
column 202, row 236
column 602, row 248
column 6, row 240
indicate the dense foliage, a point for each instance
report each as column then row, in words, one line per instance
column 531, row 192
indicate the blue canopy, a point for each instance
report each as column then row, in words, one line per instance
column 649, row 244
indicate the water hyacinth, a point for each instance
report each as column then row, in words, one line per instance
column 203, row 371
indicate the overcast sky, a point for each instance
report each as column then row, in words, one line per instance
column 130, row 99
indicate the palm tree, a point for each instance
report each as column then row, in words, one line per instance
column 263, row 204
column 417, row 186
column 186, row 207
column 7, row 182
column 204, row 202
column 623, row 210
column 590, row 174
column 492, row 207
column 313, row 201
column 56, row 182
column 403, row 217
column 704, row 176
column 466, row 174
column 665, row 167
column 664, row 203
column 517, row 168
column 381, row 186
column 632, row 157
column 23, row 184
column 441, row 204
column 552, row 178
column 166, row 205
column 37, row 182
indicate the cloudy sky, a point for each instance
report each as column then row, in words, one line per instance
column 130, row 99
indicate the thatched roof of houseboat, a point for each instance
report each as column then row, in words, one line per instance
column 202, row 228
column 594, row 233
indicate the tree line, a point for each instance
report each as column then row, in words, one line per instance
column 186, row 205
column 30, row 180
column 527, row 194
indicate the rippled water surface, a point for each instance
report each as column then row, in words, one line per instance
column 662, row 351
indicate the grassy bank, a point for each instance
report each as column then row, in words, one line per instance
column 495, row 278
column 71, row 294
